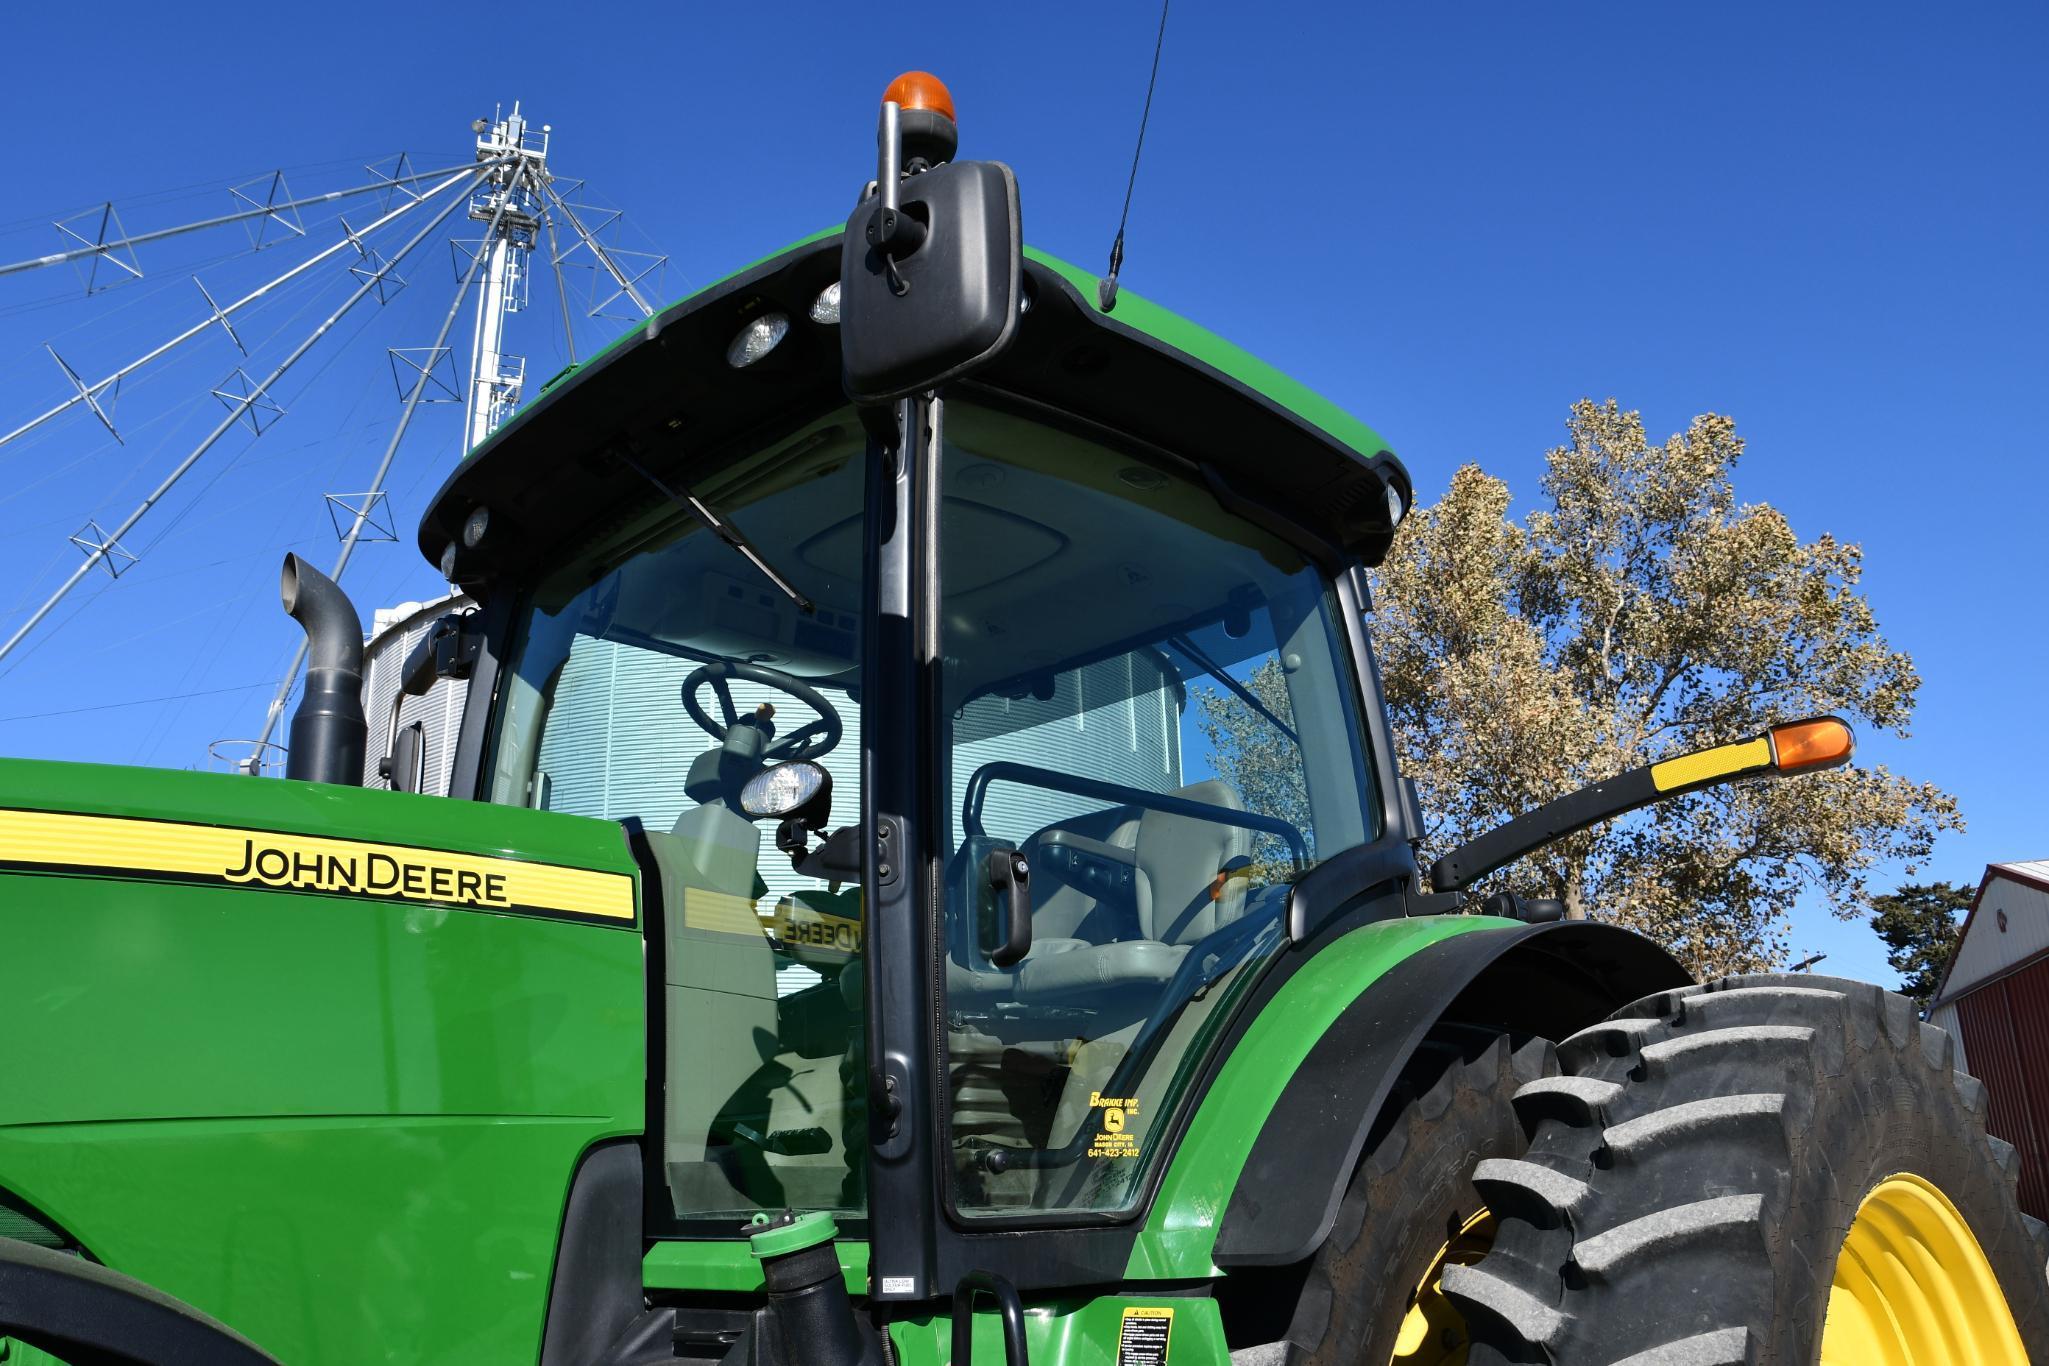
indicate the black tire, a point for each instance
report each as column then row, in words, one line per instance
column 1693, row 1173
column 1412, row 1192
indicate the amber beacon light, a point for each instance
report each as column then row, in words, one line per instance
column 921, row 90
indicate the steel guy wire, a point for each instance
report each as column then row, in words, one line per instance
column 246, row 403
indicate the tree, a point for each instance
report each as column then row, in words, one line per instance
column 1258, row 760
column 1639, row 613
column 1919, row 926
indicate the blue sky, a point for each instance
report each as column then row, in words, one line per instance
column 1827, row 222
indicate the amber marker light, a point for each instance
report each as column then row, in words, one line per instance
column 1801, row 746
column 921, row 90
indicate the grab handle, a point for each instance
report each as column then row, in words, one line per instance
column 988, row 1282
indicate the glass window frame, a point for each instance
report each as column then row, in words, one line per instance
column 1342, row 583
column 510, row 621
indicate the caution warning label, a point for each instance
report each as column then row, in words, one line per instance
column 1143, row 1337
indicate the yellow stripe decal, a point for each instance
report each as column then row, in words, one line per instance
column 63, row 842
column 720, row 913
column 1719, row 762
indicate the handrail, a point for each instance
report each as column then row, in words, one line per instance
column 1076, row 785
column 1015, row 1352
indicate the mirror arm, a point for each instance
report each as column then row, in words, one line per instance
column 1794, row 747
column 836, row 860
column 1532, row 830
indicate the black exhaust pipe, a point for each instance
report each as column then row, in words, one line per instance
column 329, row 732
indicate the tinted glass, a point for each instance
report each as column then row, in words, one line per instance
column 1148, row 698
column 762, row 1106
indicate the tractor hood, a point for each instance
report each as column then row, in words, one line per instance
column 554, row 482
column 287, row 1052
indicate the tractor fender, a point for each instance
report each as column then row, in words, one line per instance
column 1547, row 980
column 67, row 1305
column 594, row 1294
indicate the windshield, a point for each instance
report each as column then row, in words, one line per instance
column 649, row 682
column 1146, row 713
column 1150, row 700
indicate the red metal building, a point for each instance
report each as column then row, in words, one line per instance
column 1994, row 999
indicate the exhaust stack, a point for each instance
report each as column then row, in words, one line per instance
column 329, row 732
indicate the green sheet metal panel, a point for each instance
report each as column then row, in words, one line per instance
column 1181, row 1229
column 345, row 1126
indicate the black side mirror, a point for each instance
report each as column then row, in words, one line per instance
column 448, row 650
column 931, row 271
column 406, row 767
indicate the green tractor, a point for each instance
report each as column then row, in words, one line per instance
column 931, row 883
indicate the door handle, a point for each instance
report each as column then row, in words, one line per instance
column 1010, row 877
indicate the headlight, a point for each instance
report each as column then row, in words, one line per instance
column 757, row 339
column 1394, row 506
column 784, row 789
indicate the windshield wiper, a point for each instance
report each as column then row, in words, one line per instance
column 1244, row 694
column 724, row 530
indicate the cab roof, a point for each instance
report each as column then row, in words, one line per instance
column 663, row 397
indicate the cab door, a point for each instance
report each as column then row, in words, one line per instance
column 1139, row 727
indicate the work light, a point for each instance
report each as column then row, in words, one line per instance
column 784, row 790
column 757, row 339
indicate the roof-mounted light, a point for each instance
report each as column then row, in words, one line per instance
column 825, row 309
column 924, row 119
column 921, row 90
column 760, row 336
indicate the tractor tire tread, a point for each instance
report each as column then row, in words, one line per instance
column 1413, row 1188
column 1723, row 1347
column 1717, row 1141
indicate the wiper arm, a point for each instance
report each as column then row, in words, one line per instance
column 1244, row 694
column 724, row 530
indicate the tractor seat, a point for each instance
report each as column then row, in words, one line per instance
column 1177, row 859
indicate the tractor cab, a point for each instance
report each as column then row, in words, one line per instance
column 1141, row 727
column 978, row 735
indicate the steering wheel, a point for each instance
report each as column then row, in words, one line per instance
column 808, row 741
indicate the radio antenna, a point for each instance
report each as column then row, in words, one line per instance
column 1106, row 288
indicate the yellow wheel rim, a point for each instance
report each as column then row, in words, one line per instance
column 1432, row 1332
column 1912, row 1287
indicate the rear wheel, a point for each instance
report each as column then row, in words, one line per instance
column 1372, row 1294
column 1766, row 1171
